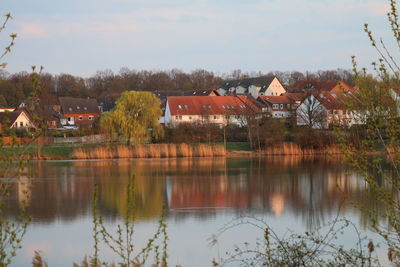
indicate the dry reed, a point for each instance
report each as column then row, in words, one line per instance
column 294, row 149
column 150, row 151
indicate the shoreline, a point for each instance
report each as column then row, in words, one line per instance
column 102, row 151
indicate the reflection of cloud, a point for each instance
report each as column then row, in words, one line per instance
column 42, row 247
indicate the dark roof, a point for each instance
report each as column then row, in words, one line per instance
column 162, row 95
column 200, row 92
column 306, row 85
column 78, row 105
column 9, row 117
column 263, row 81
column 48, row 113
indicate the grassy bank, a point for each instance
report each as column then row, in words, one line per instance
column 103, row 151
column 33, row 151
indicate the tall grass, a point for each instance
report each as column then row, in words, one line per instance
column 150, row 151
column 294, row 149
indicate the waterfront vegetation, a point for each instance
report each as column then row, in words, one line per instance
column 380, row 133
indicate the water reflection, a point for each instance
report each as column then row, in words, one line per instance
column 199, row 188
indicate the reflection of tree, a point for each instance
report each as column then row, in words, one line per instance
column 304, row 187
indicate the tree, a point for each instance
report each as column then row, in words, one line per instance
column 135, row 118
column 377, row 108
column 311, row 112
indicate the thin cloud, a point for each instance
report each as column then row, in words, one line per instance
column 32, row 30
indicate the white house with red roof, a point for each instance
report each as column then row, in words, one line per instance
column 220, row 110
column 279, row 107
column 320, row 109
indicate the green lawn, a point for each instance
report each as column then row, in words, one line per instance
column 239, row 146
column 56, row 151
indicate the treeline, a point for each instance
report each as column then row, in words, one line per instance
column 106, row 86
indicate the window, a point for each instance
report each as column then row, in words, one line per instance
column 85, row 108
column 215, row 117
column 179, row 106
column 80, row 118
column 186, row 106
column 77, row 107
column 176, row 117
column 190, row 118
column 90, row 118
column 21, row 124
column 70, row 109
column 209, row 106
column 70, row 118
column 281, row 106
column 180, row 117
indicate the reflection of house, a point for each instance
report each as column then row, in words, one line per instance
column 220, row 110
column 24, row 188
column 259, row 86
column 79, row 111
column 277, row 202
column 18, row 119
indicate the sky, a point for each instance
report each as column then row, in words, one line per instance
column 81, row 37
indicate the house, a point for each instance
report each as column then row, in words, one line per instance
column 221, row 110
column 7, row 109
column 259, row 86
column 278, row 106
column 210, row 92
column 50, row 116
column 79, row 111
column 315, row 85
column 17, row 119
column 320, row 109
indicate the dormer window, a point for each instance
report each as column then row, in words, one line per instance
column 179, row 106
column 77, row 107
column 70, row 109
column 85, row 108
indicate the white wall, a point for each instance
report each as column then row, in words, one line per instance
column 311, row 103
column 254, row 91
column 22, row 122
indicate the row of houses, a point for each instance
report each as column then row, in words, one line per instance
column 67, row 113
column 312, row 103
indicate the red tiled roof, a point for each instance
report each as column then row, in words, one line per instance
column 342, row 87
column 330, row 100
column 296, row 96
column 281, row 99
column 207, row 105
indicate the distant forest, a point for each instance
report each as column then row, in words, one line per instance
column 106, row 86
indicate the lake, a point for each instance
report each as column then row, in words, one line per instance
column 200, row 196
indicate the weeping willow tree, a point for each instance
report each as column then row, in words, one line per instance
column 134, row 118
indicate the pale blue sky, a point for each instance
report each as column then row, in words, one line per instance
column 83, row 36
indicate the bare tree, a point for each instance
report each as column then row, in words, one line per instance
column 311, row 112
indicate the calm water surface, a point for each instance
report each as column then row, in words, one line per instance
column 201, row 195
